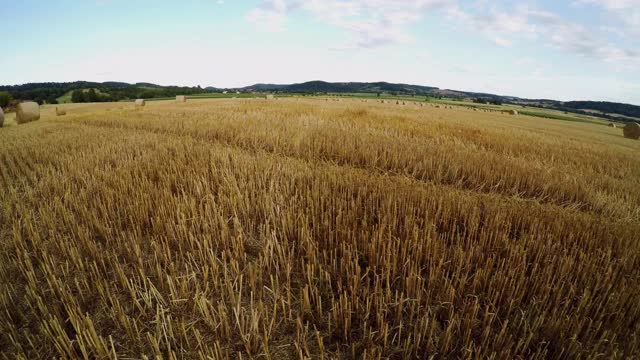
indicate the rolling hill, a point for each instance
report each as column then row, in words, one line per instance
column 117, row 91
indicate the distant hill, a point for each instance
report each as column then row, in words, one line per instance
column 116, row 91
column 349, row 87
column 265, row 87
column 605, row 107
column 52, row 93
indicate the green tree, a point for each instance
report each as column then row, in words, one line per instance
column 5, row 98
column 91, row 96
column 77, row 96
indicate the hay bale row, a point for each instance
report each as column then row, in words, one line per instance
column 632, row 131
column 27, row 112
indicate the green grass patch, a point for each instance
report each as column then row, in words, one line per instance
column 566, row 117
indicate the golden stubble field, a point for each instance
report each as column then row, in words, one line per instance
column 316, row 229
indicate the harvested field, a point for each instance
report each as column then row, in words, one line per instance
column 305, row 228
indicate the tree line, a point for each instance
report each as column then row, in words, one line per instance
column 83, row 91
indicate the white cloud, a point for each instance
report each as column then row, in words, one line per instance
column 369, row 23
column 625, row 12
column 504, row 27
column 612, row 4
column 375, row 23
column 271, row 15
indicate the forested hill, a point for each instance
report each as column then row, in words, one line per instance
column 84, row 91
column 101, row 92
column 348, row 87
column 605, row 107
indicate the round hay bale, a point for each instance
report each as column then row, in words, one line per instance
column 60, row 112
column 181, row 98
column 632, row 131
column 513, row 112
column 613, row 125
column 140, row 103
column 1, row 117
column 27, row 112
column 269, row 97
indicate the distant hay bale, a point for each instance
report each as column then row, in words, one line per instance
column 181, row 98
column 269, row 97
column 437, row 106
column 27, row 112
column 1, row 117
column 632, row 131
column 140, row 103
column 613, row 125
column 513, row 112
column 60, row 112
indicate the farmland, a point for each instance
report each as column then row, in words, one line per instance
column 316, row 228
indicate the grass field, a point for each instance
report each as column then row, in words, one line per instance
column 306, row 228
column 66, row 98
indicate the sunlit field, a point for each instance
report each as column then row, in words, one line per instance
column 315, row 228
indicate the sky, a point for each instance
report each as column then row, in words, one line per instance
column 564, row 50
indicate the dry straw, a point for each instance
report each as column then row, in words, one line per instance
column 632, row 131
column 27, row 112
column 323, row 231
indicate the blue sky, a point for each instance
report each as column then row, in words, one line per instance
column 573, row 50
